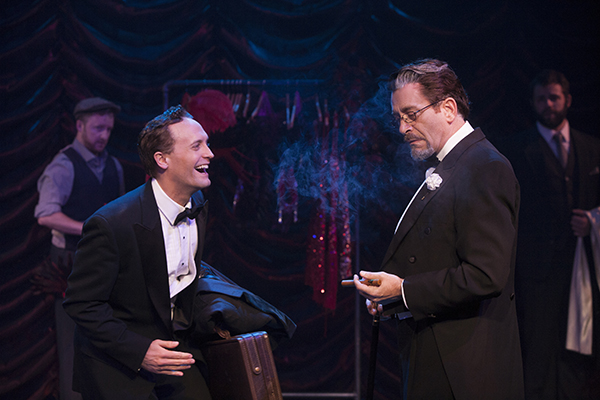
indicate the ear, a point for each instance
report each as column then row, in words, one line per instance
column 449, row 109
column 568, row 100
column 161, row 160
column 79, row 125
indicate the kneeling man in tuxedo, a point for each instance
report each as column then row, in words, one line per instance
column 135, row 274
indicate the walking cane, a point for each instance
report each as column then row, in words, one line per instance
column 373, row 357
column 374, row 338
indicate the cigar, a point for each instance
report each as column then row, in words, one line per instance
column 369, row 282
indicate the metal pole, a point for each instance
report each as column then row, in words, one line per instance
column 235, row 82
column 357, row 302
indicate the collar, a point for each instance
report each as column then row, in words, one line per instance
column 547, row 133
column 167, row 206
column 86, row 154
column 459, row 135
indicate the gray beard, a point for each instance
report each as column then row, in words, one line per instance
column 421, row 155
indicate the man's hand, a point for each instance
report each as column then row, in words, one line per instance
column 580, row 223
column 373, row 308
column 159, row 359
column 389, row 290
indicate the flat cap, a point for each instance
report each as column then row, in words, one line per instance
column 94, row 104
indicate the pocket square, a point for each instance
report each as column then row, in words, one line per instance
column 595, row 171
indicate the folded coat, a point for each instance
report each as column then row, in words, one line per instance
column 221, row 304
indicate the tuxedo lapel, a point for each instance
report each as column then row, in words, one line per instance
column 415, row 209
column 424, row 196
column 151, row 248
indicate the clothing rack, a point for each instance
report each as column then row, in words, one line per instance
column 235, row 82
column 291, row 83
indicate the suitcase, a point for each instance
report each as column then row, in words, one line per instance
column 242, row 368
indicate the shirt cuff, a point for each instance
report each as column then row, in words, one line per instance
column 403, row 297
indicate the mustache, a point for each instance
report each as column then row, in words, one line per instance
column 409, row 137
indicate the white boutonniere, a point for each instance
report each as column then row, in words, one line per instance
column 433, row 181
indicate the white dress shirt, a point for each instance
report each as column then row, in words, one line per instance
column 181, row 242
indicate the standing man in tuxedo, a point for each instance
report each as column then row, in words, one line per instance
column 449, row 269
column 560, row 185
column 135, row 271
column 81, row 178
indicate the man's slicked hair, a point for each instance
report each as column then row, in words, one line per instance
column 438, row 82
column 156, row 137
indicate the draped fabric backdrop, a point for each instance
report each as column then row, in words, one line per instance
column 55, row 52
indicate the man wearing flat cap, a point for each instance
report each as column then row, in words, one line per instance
column 81, row 178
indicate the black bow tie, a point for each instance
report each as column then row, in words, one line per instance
column 197, row 206
column 432, row 161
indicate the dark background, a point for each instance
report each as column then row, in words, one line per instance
column 54, row 53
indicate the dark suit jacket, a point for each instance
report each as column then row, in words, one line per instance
column 546, row 244
column 455, row 248
column 118, row 292
column 546, row 240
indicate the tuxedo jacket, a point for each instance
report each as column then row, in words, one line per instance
column 118, row 292
column 455, row 248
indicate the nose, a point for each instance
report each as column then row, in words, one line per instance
column 105, row 135
column 404, row 127
column 208, row 153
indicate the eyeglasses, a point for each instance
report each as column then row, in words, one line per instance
column 411, row 116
